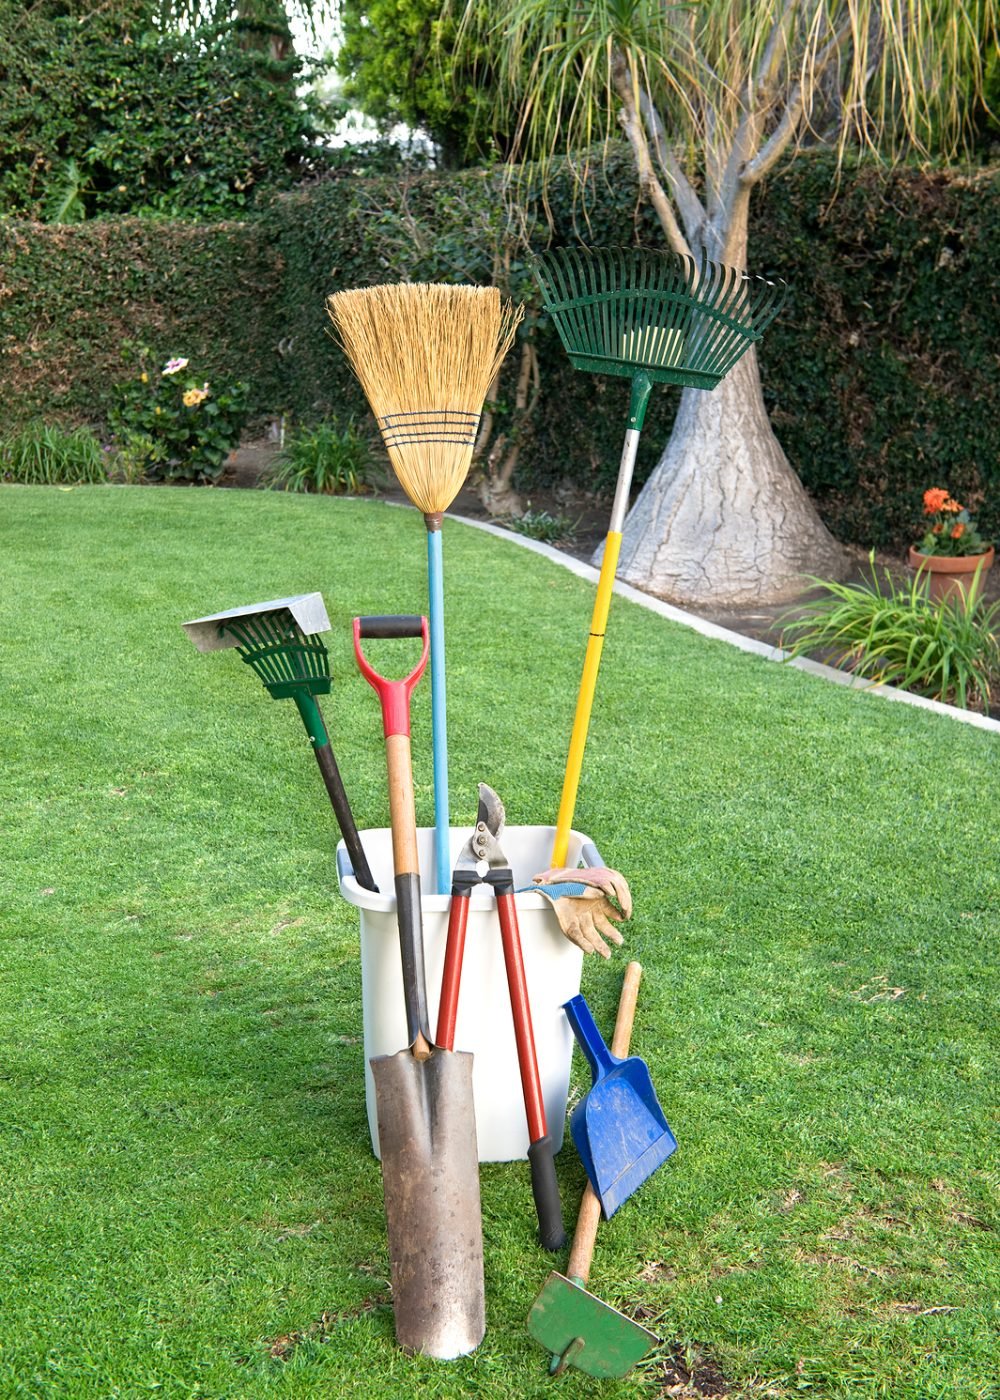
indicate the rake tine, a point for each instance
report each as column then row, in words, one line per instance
column 276, row 660
column 573, row 310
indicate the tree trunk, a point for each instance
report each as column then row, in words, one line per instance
column 724, row 519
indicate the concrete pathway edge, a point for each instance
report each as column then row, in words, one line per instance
column 736, row 639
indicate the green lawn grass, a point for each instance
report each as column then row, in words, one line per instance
column 190, row 1207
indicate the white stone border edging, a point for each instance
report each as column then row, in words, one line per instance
column 736, row 639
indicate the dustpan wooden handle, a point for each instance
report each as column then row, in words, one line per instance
column 587, row 1221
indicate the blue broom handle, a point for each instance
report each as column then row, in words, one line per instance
column 439, row 722
column 589, row 1038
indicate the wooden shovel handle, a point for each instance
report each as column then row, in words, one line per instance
column 590, row 1207
column 402, row 805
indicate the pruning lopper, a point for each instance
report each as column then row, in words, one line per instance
column 483, row 853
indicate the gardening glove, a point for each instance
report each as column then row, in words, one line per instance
column 610, row 882
column 584, row 910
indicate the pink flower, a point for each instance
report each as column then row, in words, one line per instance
column 174, row 366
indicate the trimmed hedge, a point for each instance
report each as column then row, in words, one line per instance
column 884, row 367
column 447, row 227
column 70, row 296
column 882, row 374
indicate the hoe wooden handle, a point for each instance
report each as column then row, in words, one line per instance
column 590, row 1207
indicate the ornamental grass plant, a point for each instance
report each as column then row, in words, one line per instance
column 43, row 454
column 892, row 634
column 327, row 459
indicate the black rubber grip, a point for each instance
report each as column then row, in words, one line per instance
column 502, row 880
column 411, row 951
column 392, row 625
column 545, row 1188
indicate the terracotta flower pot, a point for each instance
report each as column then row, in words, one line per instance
column 952, row 577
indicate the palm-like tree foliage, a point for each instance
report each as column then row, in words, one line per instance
column 711, row 94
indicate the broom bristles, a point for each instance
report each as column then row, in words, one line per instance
column 426, row 355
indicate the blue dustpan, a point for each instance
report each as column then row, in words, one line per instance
column 618, row 1126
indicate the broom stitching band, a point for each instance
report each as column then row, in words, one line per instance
column 429, row 425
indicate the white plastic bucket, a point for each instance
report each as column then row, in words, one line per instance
column 552, row 968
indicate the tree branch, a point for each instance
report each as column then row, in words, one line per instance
column 770, row 63
column 648, row 183
column 779, row 140
column 691, row 209
column 775, row 145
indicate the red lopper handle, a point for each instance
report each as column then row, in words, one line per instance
column 458, row 918
column 544, row 1184
column 527, row 1057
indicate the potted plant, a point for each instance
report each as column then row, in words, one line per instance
column 952, row 555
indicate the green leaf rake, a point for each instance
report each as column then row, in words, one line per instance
column 279, row 641
column 654, row 318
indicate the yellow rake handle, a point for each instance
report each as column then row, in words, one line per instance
column 585, row 698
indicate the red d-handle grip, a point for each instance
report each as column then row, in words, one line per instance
column 394, row 694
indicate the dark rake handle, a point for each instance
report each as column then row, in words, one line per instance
column 337, row 794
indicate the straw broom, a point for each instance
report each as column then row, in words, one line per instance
column 426, row 356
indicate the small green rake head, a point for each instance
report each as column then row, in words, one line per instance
column 277, row 639
column 286, row 660
column 678, row 319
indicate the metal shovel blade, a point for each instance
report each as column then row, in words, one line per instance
column 581, row 1331
column 430, row 1177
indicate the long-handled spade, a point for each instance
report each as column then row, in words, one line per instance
column 426, row 356
column 279, row 641
column 572, row 1324
column 426, row 1111
column 654, row 318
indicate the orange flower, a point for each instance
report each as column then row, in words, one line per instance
column 934, row 500
column 952, row 507
column 957, row 531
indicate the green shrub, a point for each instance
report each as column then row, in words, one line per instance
column 44, row 455
column 134, row 457
column 104, row 113
column 893, row 634
column 541, row 525
column 190, row 426
column 881, row 374
column 327, row 460
column 74, row 295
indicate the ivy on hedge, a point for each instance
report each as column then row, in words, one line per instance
column 882, row 374
column 106, row 116
column 71, row 298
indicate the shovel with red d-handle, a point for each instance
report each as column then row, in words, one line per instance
column 574, row 1325
column 426, row 1112
column 483, row 849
